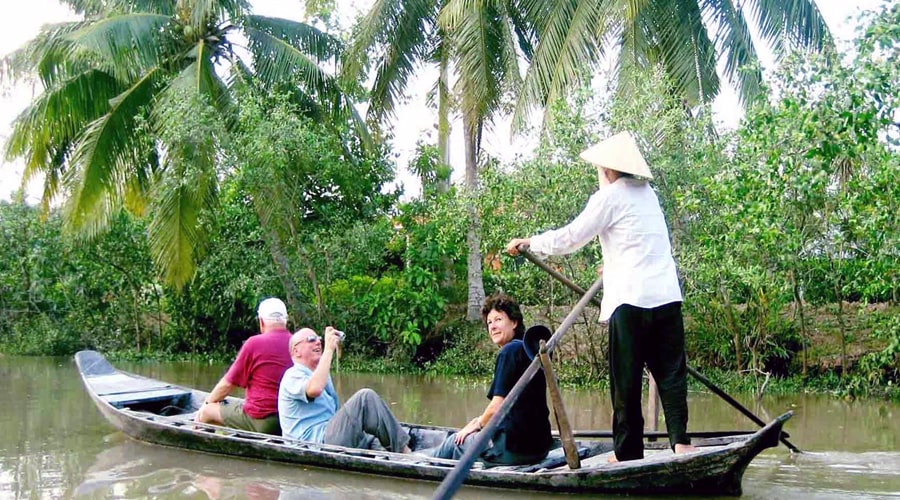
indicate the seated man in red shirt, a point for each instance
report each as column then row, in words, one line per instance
column 259, row 366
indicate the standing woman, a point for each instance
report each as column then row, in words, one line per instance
column 524, row 435
column 641, row 297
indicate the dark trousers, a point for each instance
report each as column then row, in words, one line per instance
column 654, row 337
column 365, row 414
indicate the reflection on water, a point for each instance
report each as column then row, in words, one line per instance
column 55, row 444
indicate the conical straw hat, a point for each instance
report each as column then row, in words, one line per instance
column 619, row 152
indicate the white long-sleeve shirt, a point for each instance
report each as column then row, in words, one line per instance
column 638, row 267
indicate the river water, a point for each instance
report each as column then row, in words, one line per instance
column 55, row 444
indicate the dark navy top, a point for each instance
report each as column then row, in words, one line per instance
column 527, row 425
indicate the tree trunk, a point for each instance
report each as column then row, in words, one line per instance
column 798, row 301
column 471, row 133
column 840, row 317
column 443, row 184
column 729, row 318
column 292, row 293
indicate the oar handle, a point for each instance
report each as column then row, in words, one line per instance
column 556, row 274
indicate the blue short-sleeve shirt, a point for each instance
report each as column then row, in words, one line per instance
column 300, row 417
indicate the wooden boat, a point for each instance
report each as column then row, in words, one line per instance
column 157, row 412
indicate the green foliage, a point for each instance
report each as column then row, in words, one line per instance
column 468, row 352
column 57, row 296
column 878, row 372
column 133, row 113
column 676, row 36
column 379, row 313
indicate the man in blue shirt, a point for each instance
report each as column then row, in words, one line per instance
column 309, row 409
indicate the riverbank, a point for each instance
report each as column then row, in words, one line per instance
column 461, row 349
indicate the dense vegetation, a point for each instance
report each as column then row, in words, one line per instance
column 786, row 231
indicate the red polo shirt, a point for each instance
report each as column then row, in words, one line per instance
column 259, row 366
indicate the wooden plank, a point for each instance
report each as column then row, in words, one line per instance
column 653, row 405
column 559, row 411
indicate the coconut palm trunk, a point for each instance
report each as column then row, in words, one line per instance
column 472, row 135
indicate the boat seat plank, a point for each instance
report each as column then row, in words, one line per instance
column 144, row 397
column 118, row 383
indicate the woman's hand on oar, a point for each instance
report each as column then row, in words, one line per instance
column 515, row 244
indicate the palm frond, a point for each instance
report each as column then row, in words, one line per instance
column 509, row 56
column 46, row 56
column 796, row 22
column 128, row 45
column 570, row 44
column 302, row 37
column 683, row 48
column 202, row 14
column 480, row 39
column 188, row 128
column 95, row 8
column 175, row 232
column 524, row 25
column 200, row 78
column 401, row 34
column 187, row 116
column 88, row 8
column 104, row 157
column 734, row 43
column 278, row 61
column 44, row 133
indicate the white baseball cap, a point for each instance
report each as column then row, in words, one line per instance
column 272, row 309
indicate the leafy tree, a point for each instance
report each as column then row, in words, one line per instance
column 794, row 207
column 57, row 297
column 303, row 181
column 135, row 109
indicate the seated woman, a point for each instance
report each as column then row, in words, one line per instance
column 524, row 435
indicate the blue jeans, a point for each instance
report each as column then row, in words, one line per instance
column 497, row 453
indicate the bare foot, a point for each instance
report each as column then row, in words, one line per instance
column 612, row 459
column 684, row 448
column 406, row 450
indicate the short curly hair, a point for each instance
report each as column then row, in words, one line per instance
column 502, row 302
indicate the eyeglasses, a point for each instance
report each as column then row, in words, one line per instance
column 312, row 337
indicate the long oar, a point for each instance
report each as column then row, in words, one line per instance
column 456, row 477
column 719, row 392
column 703, row 380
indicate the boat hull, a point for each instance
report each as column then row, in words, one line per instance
column 716, row 469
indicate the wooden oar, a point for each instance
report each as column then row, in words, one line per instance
column 719, row 392
column 456, row 477
column 658, row 434
column 694, row 373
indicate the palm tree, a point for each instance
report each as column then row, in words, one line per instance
column 685, row 37
column 403, row 35
column 135, row 109
column 483, row 40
